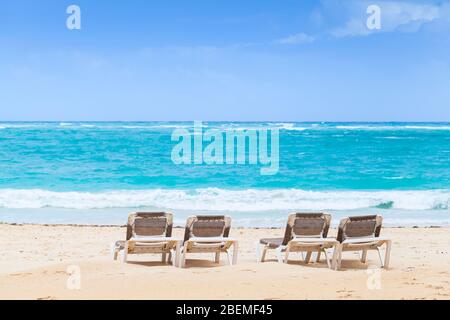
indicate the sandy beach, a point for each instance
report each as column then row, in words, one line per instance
column 35, row 261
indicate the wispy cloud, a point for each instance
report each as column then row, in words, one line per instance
column 395, row 16
column 299, row 38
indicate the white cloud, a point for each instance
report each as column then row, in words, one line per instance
column 395, row 16
column 298, row 38
column 353, row 27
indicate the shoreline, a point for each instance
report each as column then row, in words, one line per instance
column 246, row 219
column 182, row 227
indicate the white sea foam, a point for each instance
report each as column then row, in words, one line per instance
column 292, row 127
column 393, row 127
column 19, row 126
column 446, row 128
column 227, row 200
column 395, row 178
column 280, row 126
column 288, row 126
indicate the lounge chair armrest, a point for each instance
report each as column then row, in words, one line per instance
column 153, row 239
column 315, row 240
column 366, row 240
column 211, row 239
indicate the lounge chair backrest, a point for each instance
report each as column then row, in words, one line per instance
column 359, row 227
column 149, row 224
column 312, row 225
column 207, row 226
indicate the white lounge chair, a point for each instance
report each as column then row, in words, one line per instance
column 149, row 232
column 305, row 232
column 362, row 234
column 204, row 234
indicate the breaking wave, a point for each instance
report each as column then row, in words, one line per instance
column 227, row 200
column 394, row 127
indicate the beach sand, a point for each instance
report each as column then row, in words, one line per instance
column 35, row 260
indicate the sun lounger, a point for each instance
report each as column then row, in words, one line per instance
column 149, row 233
column 208, row 234
column 362, row 234
column 305, row 232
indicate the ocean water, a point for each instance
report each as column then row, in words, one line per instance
column 96, row 173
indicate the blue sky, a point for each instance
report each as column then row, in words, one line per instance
column 225, row 60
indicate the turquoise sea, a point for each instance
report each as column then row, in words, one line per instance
column 97, row 172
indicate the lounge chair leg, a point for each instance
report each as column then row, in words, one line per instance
column 339, row 257
column 279, row 256
column 183, row 259
column 334, row 258
column 286, row 255
column 387, row 254
column 235, row 252
column 163, row 258
column 364, row 256
column 380, row 257
column 169, row 260
column 326, row 258
column 125, row 253
column 177, row 255
column 263, row 256
column 217, row 257
column 318, row 256
column 259, row 253
column 229, row 258
column 308, row 257
column 114, row 251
